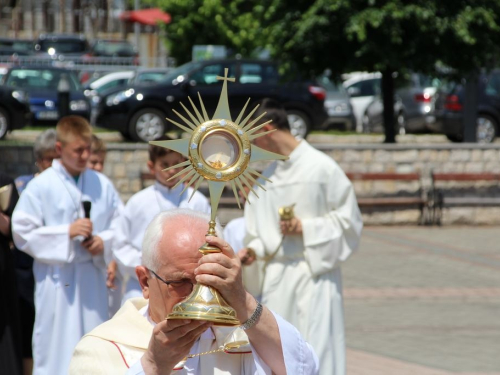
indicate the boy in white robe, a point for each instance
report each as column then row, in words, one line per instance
column 143, row 206
column 69, row 249
column 139, row 340
column 302, row 280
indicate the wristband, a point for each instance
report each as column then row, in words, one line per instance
column 254, row 318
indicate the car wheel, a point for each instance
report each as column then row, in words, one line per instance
column 300, row 124
column 486, row 129
column 4, row 123
column 147, row 125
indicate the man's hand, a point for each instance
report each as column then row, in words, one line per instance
column 111, row 275
column 170, row 343
column 291, row 227
column 80, row 227
column 94, row 245
column 4, row 224
column 223, row 272
column 247, row 256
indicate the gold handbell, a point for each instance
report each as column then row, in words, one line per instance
column 205, row 302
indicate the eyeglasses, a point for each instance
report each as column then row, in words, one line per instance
column 176, row 288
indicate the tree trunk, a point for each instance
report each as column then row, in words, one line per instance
column 388, row 101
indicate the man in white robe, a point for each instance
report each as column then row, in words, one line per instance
column 302, row 280
column 139, row 340
column 69, row 250
column 143, row 206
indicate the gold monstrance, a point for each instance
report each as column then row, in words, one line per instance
column 219, row 150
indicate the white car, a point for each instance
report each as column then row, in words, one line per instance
column 362, row 88
column 95, row 88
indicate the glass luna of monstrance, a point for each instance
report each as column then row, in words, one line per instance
column 218, row 150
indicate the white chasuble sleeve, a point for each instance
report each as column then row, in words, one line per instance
column 299, row 356
column 47, row 244
column 333, row 236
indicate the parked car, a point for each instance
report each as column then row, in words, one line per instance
column 362, row 89
column 114, row 51
column 413, row 97
column 93, row 89
column 337, row 104
column 139, row 112
column 11, row 48
column 449, row 108
column 14, row 110
column 62, row 47
column 41, row 84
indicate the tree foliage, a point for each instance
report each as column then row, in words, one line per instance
column 345, row 35
column 234, row 24
column 389, row 36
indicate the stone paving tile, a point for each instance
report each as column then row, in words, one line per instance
column 424, row 297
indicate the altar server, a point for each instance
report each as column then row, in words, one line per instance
column 63, row 221
column 142, row 208
column 302, row 279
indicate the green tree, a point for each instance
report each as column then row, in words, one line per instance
column 235, row 24
column 390, row 36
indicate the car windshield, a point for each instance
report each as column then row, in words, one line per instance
column 114, row 48
column 180, row 71
column 39, row 79
column 63, row 46
column 150, row 77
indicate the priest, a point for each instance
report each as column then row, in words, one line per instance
column 139, row 340
column 69, row 245
column 302, row 255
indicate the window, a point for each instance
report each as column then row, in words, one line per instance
column 258, row 73
column 207, row 75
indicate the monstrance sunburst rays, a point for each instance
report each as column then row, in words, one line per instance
column 219, row 150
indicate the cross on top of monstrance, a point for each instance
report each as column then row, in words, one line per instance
column 219, row 150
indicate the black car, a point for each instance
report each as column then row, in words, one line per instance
column 449, row 107
column 41, row 83
column 61, row 47
column 139, row 112
column 14, row 110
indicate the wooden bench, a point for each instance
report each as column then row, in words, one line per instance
column 471, row 195
column 419, row 199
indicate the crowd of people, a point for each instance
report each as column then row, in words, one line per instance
column 91, row 280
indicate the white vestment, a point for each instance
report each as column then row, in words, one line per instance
column 141, row 208
column 303, row 281
column 71, row 297
column 234, row 233
column 117, row 346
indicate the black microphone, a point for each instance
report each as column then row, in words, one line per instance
column 87, row 205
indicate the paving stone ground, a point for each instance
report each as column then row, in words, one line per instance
column 424, row 300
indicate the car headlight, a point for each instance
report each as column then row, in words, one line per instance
column 20, row 96
column 119, row 97
column 78, row 105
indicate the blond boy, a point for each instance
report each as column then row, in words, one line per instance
column 69, row 245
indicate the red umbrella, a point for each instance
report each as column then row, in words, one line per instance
column 149, row 16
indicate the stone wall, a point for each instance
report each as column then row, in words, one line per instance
column 125, row 162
